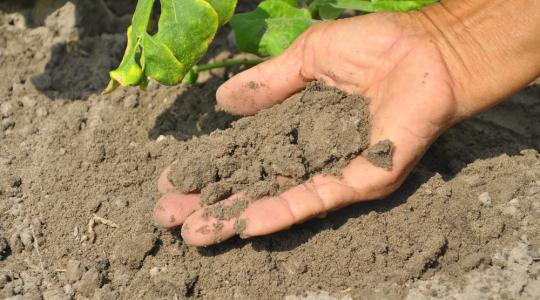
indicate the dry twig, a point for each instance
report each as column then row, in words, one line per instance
column 98, row 220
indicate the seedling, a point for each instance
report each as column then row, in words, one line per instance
column 186, row 28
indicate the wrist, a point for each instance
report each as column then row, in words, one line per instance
column 489, row 52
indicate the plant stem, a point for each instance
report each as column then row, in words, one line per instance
column 226, row 64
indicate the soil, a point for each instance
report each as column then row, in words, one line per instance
column 295, row 139
column 465, row 224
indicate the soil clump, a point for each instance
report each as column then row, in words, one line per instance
column 318, row 130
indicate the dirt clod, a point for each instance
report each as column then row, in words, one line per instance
column 90, row 281
column 317, row 130
column 74, row 271
column 131, row 252
column 380, row 154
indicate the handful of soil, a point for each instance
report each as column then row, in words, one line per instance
column 318, row 130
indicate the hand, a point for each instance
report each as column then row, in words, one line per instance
column 386, row 57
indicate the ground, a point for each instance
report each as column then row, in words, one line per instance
column 465, row 225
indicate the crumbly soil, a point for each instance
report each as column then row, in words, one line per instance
column 318, row 130
column 464, row 225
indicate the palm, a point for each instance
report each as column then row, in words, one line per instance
column 411, row 104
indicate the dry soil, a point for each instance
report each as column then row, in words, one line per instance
column 465, row 225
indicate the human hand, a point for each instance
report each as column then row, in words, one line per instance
column 386, row 57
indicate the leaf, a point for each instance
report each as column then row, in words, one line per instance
column 224, row 8
column 328, row 12
column 185, row 29
column 271, row 28
column 129, row 72
column 324, row 9
column 381, row 5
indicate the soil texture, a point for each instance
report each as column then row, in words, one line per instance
column 315, row 131
column 78, row 175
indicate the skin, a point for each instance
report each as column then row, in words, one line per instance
column 423, row 71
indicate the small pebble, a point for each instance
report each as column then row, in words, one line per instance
column 68, row 289
column 27, row 239
column 28, row 101
column 18, row 88
column 444, row 191
column 514, row 202
column 121, row 203
column 42, row 112
column 6, row 109
column 131, row 101
column 485, row 198
column 73, row 270
column 154, row 271
column 7, row 124
column 509, row 210
column 90, row 281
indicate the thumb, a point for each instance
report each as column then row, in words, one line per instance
column 266, row 84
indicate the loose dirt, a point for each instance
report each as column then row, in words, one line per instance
column 465, row 224
column 316, row 131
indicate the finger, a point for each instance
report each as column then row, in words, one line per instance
column 360, row 181
column 211, row 225
column 173, row 208
column 266, row 84
column 266, row 215
column 164, row 184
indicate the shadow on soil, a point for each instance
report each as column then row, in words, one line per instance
column 91, row 42
column 193, row 113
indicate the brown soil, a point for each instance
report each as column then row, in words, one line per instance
column 464, row 225
column 295, row 139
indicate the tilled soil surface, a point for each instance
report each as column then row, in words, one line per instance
column 78, row 176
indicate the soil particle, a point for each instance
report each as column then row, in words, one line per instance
column 223, row 212
column 240, row 226
column 74, row 271
column 6, row 109
column 485, row 199
column 380, row 154
column 131, row 101
column 90, row 281
column 132, row 251
column 317, row 130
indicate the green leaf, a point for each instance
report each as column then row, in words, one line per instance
column 271, row 28
column 324, row 9
column 185, row 29
column 129, row 72
column 381, row 5
column 328, row 12
column 224, row 8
